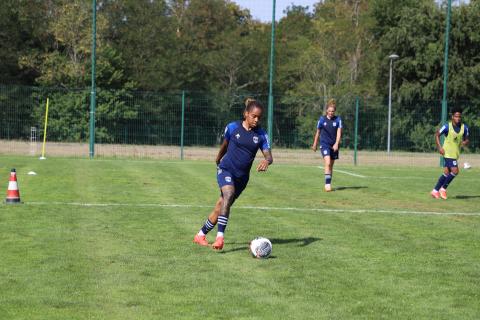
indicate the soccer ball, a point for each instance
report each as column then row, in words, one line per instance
column 260, row 247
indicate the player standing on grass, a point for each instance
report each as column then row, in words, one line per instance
column 456, row 135
column 329, row 130
column 242, row 139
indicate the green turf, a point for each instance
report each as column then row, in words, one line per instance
column 383, row 249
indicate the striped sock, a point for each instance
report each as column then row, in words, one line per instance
column 207, row 227
column 222, row 225
column 448, row 180
column 440, row 182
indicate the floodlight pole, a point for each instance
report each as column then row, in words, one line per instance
column 391, row 57
column 445, row 70
column 93, row 87
column 272, row 66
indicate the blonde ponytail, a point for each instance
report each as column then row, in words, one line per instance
column 331, row 103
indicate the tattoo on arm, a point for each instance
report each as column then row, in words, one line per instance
column 268, row 156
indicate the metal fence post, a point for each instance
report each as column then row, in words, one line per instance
column 355, row 143
column 270, row 82
column 93, row 88
column 183, row 125
column 445, row 72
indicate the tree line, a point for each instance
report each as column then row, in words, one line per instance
column 214, row 47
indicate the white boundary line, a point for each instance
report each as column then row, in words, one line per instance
column 159, row 205
column 346, row 172
column 386, row 177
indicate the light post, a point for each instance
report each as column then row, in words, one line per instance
column 391, row 57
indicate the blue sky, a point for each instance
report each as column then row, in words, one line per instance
column 262, row 9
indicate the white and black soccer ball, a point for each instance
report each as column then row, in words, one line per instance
column 260, row 248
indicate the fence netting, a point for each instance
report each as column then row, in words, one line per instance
column 189, row 125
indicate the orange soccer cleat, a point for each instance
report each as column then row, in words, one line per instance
column 435, row 194
column 443, row 193
column 218, row 244
column 201, row 240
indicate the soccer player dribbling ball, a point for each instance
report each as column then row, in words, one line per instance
column 456, row 135
column 329, row 130
column 242, row 139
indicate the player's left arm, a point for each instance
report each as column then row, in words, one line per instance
column 263, row 165
column 267, row 153
column 336, row 146
column 466, row 135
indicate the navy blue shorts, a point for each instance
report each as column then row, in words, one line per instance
column 225, row 178
column 450, row 163
column 328, row 151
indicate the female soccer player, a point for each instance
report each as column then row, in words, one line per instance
column 242, row 139
column 329, row 129
column 456, row 135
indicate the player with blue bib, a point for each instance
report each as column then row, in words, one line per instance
column 329, row 131
column 241, row 141
column 456, row 135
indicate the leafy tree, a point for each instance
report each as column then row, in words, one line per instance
column 21, row 28
column 63, row 58
column 417, row 39
column 142, row 32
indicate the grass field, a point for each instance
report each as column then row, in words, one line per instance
column 108, row 239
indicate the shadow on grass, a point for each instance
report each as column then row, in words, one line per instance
column 301, row 242
column 347, row 188
column 466, row 197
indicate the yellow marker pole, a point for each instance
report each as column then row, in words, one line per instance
column 45, row 133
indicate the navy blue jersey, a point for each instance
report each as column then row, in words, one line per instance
column 242, row 148
column 444, row 130
column 328, row 129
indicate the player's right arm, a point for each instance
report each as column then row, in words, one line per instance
column 315, row 140
column 439, row 132
column 222, row 151
column 224, row 145
column 316, row 137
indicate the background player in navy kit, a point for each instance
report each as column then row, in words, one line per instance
column 242, row 139
column 329, row 130
column 456, row 135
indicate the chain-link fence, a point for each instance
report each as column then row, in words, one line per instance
column 189, row 125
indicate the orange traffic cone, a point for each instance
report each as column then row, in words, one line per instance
column 13, row 194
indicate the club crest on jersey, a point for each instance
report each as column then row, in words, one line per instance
column 334, row 124
column 237, row 135
column 255, row 139
column 228, row 179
